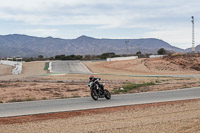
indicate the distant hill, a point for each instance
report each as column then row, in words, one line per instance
column 197, row 49
column 29, row 46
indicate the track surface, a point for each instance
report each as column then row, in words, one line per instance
column 77, row 67
column 69, row 67
column 72, row 104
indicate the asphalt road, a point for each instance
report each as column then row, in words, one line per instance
column 72, row 104
column 69, row 67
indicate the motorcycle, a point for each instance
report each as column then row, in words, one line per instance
column 98, row 91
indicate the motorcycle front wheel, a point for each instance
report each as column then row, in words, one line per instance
column 107, row 94
column 94, row 95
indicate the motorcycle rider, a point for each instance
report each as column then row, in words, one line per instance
column 95, row 80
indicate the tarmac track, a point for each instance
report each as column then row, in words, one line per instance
column 69, row 67
column 77, row 67
column 73, row 104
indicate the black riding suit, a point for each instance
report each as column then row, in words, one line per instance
column 96, row 81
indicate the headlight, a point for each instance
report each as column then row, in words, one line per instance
column 90, row 84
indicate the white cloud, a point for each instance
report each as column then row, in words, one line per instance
column 40, row 32
column 31, row 5
column 181, row 37
column 167, row 20
column 120, row 13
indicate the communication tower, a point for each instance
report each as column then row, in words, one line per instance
column 193, row 41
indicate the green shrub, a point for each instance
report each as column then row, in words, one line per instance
column 60, row 81
column 44, row 98
column 75, row 96
column 130, row 87
column 21, row 100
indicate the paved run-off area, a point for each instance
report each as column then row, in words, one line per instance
column 69, row 67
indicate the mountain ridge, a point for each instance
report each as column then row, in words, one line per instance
column 83, row 45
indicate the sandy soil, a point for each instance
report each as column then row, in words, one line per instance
column 5, row 70
column 35, row 83
column 181, row 116
column 30, row 70
column 105, row 78
column 171, row 65
column 27, row 91
column 186, row 62
column 41, row 90
column 176, row 117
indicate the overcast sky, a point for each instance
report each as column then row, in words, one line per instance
column 169, row 20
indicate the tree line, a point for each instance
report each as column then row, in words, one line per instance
column 161, row 51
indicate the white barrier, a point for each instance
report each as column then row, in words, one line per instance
column 156, row 56
column 50, row 67
column 122, row 58
column 17, row 66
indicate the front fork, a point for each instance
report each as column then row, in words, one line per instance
column 95, row 91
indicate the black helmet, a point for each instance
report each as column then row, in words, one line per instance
column 91, row 77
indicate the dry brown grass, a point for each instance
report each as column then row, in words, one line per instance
column 22, row 91
column 28, row 91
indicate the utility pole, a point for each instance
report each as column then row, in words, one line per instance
column 126, row 42
column 193, row 41
column 132, row 49
column 94, row 52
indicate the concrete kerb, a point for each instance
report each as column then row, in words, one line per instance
column 86, row 68
column 50, row 67
column 17, row 66
column 121, row 58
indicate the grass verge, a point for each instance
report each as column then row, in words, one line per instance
column 75, row 96
column 21, row 100
column 132, row 87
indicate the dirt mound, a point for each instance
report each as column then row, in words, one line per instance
column 179, row 64
column 187, row 61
